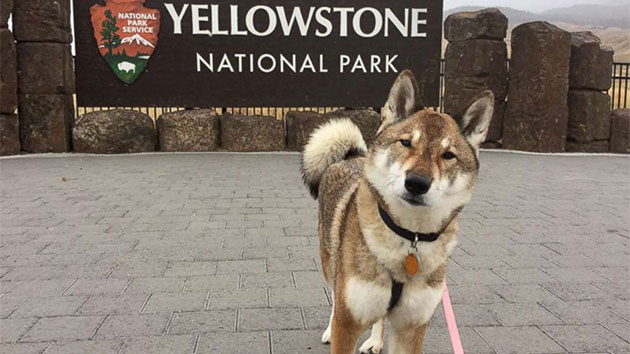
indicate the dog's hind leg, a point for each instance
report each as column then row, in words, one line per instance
column 374, row 344
column 328, row 332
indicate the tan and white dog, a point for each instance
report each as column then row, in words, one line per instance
column 388, row 214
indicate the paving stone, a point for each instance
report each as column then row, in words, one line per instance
column 82, row 347
column 522, row 314
column 14, row 329
column 472, row 315
column 586, row 338
column 176, row 302
column 9, row 303
column 231, row 299
column 267, row 280
column 476, row 276
column 63, row 328
column 305, row 279
column 54, row 272
column 581, row 312
column 212, row 283
column 317, row 317
column 437, row 341
column 303, row 252
column 249, row 266
column 139, row 270
column 298, row 297
column 259, row 253
column 294, row 264
column 107, row 305
column 203, row 321
column 519, row 293
column 49, row 306
column 270, row 319
column 620, row 307
column 571, row 291
column 563, row 251
column 22, row 348
column 156, row 285
column 523, row 276
column 191, row 268
column 620, row 329
column 234, row 343
column 575, row 275
column 511, row 340
column 97, row 287
column 220, row 254
column 298, row 342
column 183, row 344
column 132, row 326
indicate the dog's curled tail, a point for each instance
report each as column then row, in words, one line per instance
column 332, row 142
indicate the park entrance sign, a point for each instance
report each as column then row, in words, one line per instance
column 275, row 53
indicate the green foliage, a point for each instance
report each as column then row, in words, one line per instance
column 109, row 37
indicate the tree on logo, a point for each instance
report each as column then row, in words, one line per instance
column 109, row 37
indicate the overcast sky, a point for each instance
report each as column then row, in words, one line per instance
column 528, row 5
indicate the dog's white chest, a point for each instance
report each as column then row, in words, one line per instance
column 368, row 301
column 417, row 303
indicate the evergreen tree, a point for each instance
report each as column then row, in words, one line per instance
column 109, row 37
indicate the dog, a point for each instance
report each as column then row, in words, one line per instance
column 388, row 214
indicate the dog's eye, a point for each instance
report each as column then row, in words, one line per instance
column 406, row 143
column 448, row 155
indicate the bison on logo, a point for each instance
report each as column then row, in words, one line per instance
column 126, row 33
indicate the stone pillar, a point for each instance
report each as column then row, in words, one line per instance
column 45, row 74
column 620, row 131
column 9, row 133
column 589, row 105
column 476, row 60
column 537, row 111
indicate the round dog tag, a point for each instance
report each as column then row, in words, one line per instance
column 412, row 264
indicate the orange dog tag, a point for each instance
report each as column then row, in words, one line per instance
column 412, row 264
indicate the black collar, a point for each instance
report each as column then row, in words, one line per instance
column 406, row 234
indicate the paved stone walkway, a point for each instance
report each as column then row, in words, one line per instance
column 217, row 253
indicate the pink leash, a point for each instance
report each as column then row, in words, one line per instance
column 450, row 322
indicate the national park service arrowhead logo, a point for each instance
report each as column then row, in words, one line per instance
column 126, row 33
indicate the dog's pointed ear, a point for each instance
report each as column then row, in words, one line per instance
column 476, row 120
column 403, row 101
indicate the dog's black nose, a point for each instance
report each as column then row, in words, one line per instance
column 417, row 184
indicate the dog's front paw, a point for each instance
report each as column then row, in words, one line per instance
column 372, row 345
column 326, row 336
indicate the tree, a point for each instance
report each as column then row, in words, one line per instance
column 109, row 37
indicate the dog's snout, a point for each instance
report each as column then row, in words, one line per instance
column 417, row 185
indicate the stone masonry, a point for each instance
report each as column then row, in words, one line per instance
column 537, row 113
column 589, row 105
column 9, row 131
column 45, row 74
column 476, row 60
column 215, row 253
column 189, row 130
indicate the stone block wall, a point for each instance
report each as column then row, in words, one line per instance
column 620, row 131
column 45, row 74
column 9, row 131
column 537, row 111
column 589, row 105
column 476, row 59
